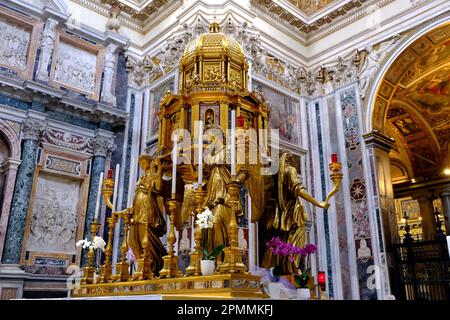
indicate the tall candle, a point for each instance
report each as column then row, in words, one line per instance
column 116, row 186
column 448, row 245
column 99, row 196
column 174, row 164
column 200, row 154
column 233, row 143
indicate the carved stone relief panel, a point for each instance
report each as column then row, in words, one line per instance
column 57, row 209
column 15, row 42
column 54, row 215
column 75, row 67
column 18, row 41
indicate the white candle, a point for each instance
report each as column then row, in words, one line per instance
column 99, row 196
column 233, row 143
column 448, row 245
column 200, row 154
column 116, row 186
column 174, row 164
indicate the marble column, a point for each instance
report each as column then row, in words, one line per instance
column 32, row 132
column 427, row 212
column 102, row 148
column 445, row 198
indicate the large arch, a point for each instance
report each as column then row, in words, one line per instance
column 9, row 172
column 400, row 74
column 372, row 121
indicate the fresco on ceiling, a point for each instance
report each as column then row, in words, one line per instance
column 406, row 126
column 433, row 92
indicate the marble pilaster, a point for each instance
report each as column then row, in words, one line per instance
column 7, row 199
column 445, row 198
column 427, row 213
column 32, row 131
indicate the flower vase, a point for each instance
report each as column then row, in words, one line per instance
column 208, row 267
column 303, row 294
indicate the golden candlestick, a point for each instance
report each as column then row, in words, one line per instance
column 88, row 271
column 336, row 177
column 194, row 268
column 107, row 191
column 122, row 268
column 233, row 254
column 170, row 268
column 107, row 267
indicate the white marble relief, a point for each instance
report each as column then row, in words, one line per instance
column 75, row 67
column 14, row 45
column 54, row 215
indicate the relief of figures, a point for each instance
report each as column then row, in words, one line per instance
column 75, row 67
column 14, row 48
column 54, row 220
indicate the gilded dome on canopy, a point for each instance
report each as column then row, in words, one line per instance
column 212, row 62
column 213, row 42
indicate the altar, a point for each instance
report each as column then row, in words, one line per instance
column 213, row 145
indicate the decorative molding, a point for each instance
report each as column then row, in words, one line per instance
column 138, row 20
column 67, row 140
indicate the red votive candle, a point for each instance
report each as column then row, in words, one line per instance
column 240, row 121
column 110, row 174
column 321, row 279
column 334, row 158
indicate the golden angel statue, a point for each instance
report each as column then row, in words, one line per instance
column 289, row 220
column 217, row 200
column 147, row 220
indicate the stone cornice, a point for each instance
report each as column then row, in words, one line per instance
column 35, row 90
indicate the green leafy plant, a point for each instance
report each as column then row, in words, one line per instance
column 214, row 253
column 302, row 278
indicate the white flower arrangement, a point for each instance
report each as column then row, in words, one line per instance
column 205, row 219
column 97, row 243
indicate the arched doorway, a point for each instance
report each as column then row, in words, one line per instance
column 5, row 154
column 409, row 112
column 9, row 162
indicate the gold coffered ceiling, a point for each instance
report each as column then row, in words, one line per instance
column 138, row 9
column 311, row 6
column 309, row 15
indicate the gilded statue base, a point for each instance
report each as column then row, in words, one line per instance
column 233, row 261
column 194, row 268
column 106, row 273
column 122, row 272
column 144, row 270
column 170, row 268
column 219, row 286
column 88, row 275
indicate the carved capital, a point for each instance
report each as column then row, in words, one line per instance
column 379, row 140
column 33, row 129
column 103, row 147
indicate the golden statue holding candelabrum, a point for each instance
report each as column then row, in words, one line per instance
column 209, row 142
